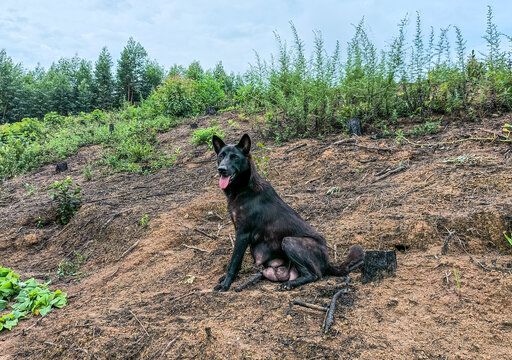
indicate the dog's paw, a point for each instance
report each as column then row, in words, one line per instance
column 221, row 288
column 221, row 280
column 286, row 286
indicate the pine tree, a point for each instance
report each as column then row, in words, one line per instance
column 103, row 84
column 130, row 71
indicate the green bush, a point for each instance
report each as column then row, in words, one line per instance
column 176, row 97
column 68, row 199
column 204, row 136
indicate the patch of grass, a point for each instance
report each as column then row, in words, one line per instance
column 71, row 268
column 204, row 136
column 457, row 280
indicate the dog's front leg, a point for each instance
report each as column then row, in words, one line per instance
column 241, row 243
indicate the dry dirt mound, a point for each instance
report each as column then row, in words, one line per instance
column 146, row 292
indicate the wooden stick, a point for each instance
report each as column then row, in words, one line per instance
column 394, row 171
column 344, row 141
column 168, row 346
column 136, row 318
column 310, row 306
column 295, row 148
column 194, row 248
column 250, row 281
column 205, row 234
column 445, row 246
column 329, row 316
column 129, row 249
column 184, row 295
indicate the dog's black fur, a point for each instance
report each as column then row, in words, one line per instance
column 275, row 233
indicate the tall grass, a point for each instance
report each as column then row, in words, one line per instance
column 424, row 75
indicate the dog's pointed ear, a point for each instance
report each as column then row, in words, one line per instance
column 218, row 144
column 245, row 144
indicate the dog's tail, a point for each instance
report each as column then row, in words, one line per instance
column 355, row 258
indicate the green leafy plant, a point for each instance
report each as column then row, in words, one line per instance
column 71, row 268
column 261, row 158
column 457, row 280
column 204, row 136
column 144, row 221
column 87, row 171
column 68, row 199
column 31, row 297
column 30, row 188
column 509, row 238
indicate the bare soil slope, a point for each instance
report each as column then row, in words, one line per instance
column 147, row 292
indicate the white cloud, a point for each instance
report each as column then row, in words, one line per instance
column 34, row 31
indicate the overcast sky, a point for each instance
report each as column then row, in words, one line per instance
column 38, row 31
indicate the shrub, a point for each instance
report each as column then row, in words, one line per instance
column 204, row 136
column 68, row 199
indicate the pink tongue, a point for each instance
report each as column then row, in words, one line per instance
column 224, row 182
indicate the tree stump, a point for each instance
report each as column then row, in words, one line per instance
column 354, row 127
column 210, row 110
column 60, row 167
column 379, row 264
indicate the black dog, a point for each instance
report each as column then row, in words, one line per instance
column 289, row 249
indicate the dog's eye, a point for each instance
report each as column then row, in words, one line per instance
column 234, row 157
column 221, row 156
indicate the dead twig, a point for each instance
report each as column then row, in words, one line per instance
column 169, row 346
column 194, row 248
column 136, row 318
column 114, row 216
column 310, row 306
column 446, row 241
column 129, row 250
column 232, row 243
column 329, row 316
column 249, row 281
column 111, row 275
column 295, row 148
column 371, row 148
column 213, row 237
column 344, row 141
column 391, row 172
column 184, row 295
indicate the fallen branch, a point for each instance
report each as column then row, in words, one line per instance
column 329, row 316
column 445, row 246
column 185, row 295
column 114, row 216
column 491, row 139
column 371, row 148
column 250, row 281
column 295, row 148
column 213, row 237
column 389, row 173
column 310, row 306
column 194, row 248
column 136, row 318
column 344, row 141
column 129, row 250
column 168, row 346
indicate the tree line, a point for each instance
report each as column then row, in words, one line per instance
column 75, row 85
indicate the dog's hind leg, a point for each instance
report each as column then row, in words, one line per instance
column 309, row 258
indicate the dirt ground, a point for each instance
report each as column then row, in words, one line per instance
column 147, row 292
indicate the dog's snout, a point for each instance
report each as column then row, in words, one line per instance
column 222, row 170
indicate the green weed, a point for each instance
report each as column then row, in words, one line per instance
column 144, row 221
column 204, row 136
column 68, row 199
